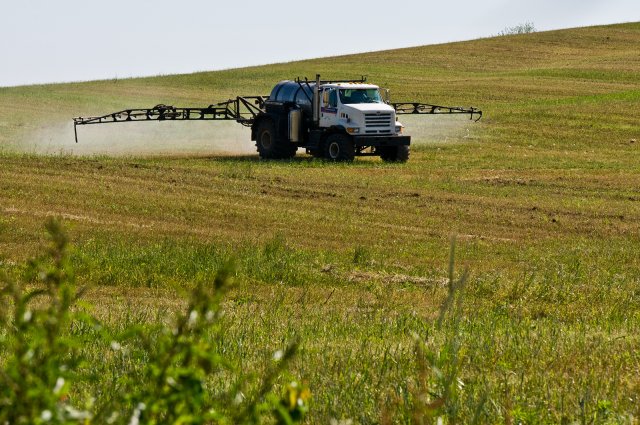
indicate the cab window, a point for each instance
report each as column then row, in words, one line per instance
column 350, row 96
column 333, row 98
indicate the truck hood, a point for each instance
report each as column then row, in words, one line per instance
column 369, row 107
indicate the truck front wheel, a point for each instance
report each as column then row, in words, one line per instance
column 394, row 153
column 339, row 147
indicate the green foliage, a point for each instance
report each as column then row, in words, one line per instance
column 168, row 262
column 40, row 358
column 169, row 379
column 361, row 255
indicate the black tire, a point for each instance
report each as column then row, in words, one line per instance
column 394, row 153
column 316, row 152
column 270, row 147
column 339, row 147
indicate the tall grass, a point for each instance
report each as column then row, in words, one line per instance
column 61, row 365
column 482, row 347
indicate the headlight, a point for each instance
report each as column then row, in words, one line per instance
column 353, row 130
column 399, row 129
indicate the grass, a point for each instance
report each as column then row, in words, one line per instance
column 352, row 259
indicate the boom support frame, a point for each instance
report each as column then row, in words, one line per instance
column 242, row 109
column 245, row 109
column 405, row 108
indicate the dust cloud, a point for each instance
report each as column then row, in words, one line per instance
column 142, row 138
column 202, row 138
column 432, row 129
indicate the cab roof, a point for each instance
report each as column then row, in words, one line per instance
column 350, row 86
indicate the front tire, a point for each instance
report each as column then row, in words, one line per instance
column 394, row 153
column 339, row 148
column 269, row 146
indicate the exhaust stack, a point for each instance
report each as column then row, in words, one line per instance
column 316, row 101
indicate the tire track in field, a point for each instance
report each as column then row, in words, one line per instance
column 75, row 217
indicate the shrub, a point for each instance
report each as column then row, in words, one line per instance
column 525, row 28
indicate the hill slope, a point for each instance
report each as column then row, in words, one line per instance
column 583, row 80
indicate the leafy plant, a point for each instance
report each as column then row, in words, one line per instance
column 169, row 381
column 40, row 358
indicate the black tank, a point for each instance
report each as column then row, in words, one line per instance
column 290, row 91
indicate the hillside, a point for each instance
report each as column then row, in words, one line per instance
column 543, row 195
column 575, row 75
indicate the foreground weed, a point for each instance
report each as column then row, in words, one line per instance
column 40, row 357
column 169, row 381
column 435, row 393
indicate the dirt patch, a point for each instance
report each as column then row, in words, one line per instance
column 75, row 217
column 395, row 278
column 485, row 238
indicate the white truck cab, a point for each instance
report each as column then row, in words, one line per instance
column 359, row 109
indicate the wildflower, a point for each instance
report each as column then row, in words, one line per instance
column 26, row 317
column 46, row 415
column 59, row 385
column 193, row 318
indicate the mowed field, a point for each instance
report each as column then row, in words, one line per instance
column 542, row 196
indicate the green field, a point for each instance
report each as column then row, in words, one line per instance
column 543, row 195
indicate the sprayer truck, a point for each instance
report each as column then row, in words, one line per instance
column 332, row 119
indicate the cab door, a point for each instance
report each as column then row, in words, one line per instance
column 329, row 107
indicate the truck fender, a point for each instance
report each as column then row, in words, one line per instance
column 332, row 130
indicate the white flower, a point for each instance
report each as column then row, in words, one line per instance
column 77, row 414
column 59, row 385
column 46, row 415
column 277, row 356
column 239, row 398
column 115, row 346
column 193, row 318
column 26, row 317
column 113, row 417
column 135, row 418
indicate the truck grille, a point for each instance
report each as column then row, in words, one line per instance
column 379, row 122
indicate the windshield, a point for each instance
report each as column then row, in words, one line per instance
column 348, row 96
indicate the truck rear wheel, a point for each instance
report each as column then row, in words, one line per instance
column 339, row 147
column 269, row 146
column 394, row 153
